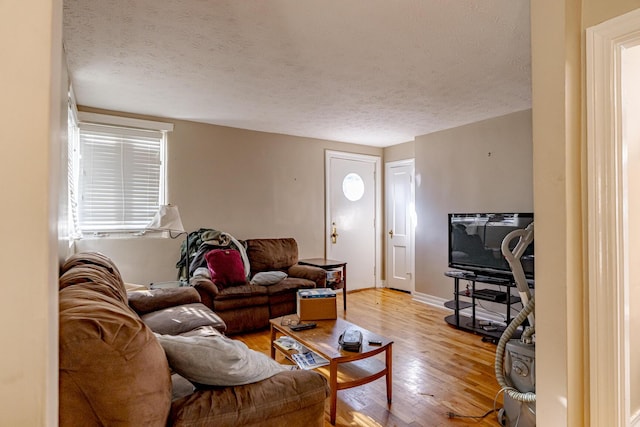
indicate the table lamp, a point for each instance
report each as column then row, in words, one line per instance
column 167, row 219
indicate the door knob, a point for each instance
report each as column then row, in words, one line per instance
column 391, row 233
column 334, row 233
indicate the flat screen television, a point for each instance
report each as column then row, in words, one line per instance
column 475, row 241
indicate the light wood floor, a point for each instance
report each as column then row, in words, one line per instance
column 436, row 368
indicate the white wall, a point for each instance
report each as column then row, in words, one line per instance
column 481, row 167
column 30, row 116
column 559, row 289
column 254, row 184
column 140, row 260
column 249, row 184
column 397, row 152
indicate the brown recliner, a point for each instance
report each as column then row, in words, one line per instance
column 113, row 370
column 282, row 255
column 246, row 307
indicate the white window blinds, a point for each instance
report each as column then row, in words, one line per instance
column 120, row 179
column 72, row 170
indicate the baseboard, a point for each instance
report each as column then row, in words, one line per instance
column 481, row 313
column 428, row 299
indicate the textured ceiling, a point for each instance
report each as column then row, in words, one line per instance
column 375, row 72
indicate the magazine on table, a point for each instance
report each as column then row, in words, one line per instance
column 288, row 343
column 309, row 360
column 304, row 358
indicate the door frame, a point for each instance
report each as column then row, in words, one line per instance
column 376, row 161
column 606, row 228
column 412, row 216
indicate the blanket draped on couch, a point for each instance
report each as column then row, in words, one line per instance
column 202, row 241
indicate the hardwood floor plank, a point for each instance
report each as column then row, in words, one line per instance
column 436, row 368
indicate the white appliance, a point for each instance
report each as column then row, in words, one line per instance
column 515, row 358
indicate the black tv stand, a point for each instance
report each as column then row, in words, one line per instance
column 464, row 299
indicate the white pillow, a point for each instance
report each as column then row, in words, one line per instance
column 217, row 360
column 267, row 278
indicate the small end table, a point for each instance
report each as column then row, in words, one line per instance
column 329, row 264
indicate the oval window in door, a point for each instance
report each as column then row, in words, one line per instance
column 353, row 187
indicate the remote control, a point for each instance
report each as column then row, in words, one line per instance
column 302, row 326
column 375, row 342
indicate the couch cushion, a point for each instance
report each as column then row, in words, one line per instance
column 291, row 398
column 217, row 360
column 244, row 318
column 241, row 291
column 290, row 285
column 267, row 278
column 183, row 318
column 220, row 305
column 271, row 254
column 156, row 299
column 226, row 267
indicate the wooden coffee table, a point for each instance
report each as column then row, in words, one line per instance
column 353, row 368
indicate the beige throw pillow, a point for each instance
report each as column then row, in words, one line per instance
column 217, row 360
column 267, row 278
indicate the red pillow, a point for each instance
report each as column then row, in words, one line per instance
column 226, row 267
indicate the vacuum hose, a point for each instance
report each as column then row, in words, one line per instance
column 504, row 339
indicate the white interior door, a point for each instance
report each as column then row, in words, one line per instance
column 399, row 199
column 351, row 216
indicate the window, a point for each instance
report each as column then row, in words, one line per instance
column 118, row 178
column 72, row 168
column 353, row 187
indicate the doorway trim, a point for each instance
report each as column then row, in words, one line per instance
column 377, row 161
column 608, row 265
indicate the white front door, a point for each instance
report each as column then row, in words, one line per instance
column 351, row 215
column 399, row 199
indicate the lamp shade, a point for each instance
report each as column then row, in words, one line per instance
column 166, row 219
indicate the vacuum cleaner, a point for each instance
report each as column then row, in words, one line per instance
column 515, row 358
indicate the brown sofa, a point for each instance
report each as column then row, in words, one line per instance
column 246, row 307
column 113, row 370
